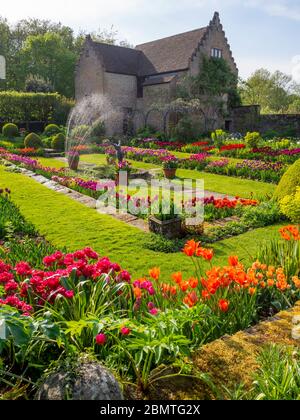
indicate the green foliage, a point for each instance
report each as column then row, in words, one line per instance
column 33, row 140
column 281, row 253
column 161, row 244
column 252, row 139
column 81, row 131
column 187, row 129
column 10, row 130
column 278, row 377
column 215, row 78
column 98, row 130
column 273, row 92
column 20, row 107
column 218, row 137
column 290, row 206
column 51, row 130
column 289, row 182
column 37, row 84
column 47, row 56
column 58, row 142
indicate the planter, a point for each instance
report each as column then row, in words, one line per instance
column 170, row 229
column 73, row 162
column 170, row 173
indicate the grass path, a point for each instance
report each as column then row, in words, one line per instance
column 69, row 224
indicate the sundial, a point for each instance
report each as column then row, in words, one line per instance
column 2, row 67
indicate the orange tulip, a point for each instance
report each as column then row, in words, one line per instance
column 154, row 273
column 173, row 290
column 137, row 292
column 270, row 282
column 233, row 261
column 252, row 291
column 190, row 248
column 223, row 305
column 205, row 295
column 193, row 282
column 177, row 277
column 184, row 286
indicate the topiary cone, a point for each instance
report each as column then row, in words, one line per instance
column 289, row 182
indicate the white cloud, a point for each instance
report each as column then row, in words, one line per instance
column 281, row 8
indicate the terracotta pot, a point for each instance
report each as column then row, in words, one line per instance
column 73, row 162
column 170, row 173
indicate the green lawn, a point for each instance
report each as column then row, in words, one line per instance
column 212, row 182
column 229, row 185
column 67, row 223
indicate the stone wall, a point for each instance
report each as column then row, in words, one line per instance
column 215, row 38
column 89, row 77
column 249, row 118
column 284, row 124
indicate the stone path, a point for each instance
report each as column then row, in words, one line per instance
column 94, row 204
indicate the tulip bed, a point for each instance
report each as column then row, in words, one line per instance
column 59, row 303
column 140, row 205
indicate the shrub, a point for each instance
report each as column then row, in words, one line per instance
column 33, row 140
column 10, row 131
column 25, row 106
column 38, row 84
column 290, row 206
column 98, row 129
column 289, row 182
column 218, row 137
column 51, row 130
column 58, row 142
column 252, row 139
column 81, row 131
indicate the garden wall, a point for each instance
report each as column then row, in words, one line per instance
column 249, row 118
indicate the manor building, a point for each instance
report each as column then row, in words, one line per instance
column 134, row 79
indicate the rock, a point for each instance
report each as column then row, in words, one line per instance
column 88, row 381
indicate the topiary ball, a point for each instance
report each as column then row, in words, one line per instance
column 10, row 130
column 51, row 130
column 289, row 182
column 33, row 140
column 58, row 142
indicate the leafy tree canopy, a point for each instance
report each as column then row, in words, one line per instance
column 274, row 92
column 44, row 50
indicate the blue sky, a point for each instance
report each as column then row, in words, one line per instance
column 262, row 33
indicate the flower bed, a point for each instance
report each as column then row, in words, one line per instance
column 81, row 302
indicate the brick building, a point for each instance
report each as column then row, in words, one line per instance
column 134, row 79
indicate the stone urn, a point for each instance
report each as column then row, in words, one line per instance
column 170, row 229
column 88, row 380
column 73, row 161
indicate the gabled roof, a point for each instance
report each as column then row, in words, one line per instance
column 166, row 55
column 170, row 54
column 118, row 59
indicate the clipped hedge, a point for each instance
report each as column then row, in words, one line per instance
column 33, row 140
column 51, row 130
column 289, row 182
column 10, row 131
column 58, row 142
column 25, row 107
